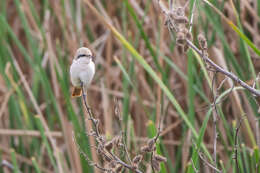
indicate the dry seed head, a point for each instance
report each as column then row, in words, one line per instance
column 137, row 159
column 181, row 20
column 186, row 47
column 117, row 141
column 112, row 164
column 151, row 143
column 202, row 42
column 179, row 11
column 145, row 149
column 189, row 35
column 109, row 146
column 160, row 158
column 180, row 38
column 155, row 165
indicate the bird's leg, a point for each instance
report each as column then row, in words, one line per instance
column 84, row 95
column 85, row 100
column 83, row 91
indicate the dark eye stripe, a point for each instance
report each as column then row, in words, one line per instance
column 81, row 55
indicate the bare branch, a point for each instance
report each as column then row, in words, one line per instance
column 221, row 70
column 215, row 115
column 90, row 162
column 208, row 164
column 101, row 141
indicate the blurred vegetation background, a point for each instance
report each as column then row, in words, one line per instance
column 41, row 126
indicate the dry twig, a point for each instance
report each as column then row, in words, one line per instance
column 208, row 164
column 104, row 147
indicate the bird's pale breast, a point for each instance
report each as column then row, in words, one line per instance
column 82, row 70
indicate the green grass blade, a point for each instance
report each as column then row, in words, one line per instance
column 46, row 143
column 144, row 36
column 235, row 28
column 200, row 140
column 36, row 166
column 14, row 161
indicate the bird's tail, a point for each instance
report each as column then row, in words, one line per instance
column 76, row 92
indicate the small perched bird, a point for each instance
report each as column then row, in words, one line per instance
column 82, row 70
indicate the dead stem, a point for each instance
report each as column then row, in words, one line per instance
column 100, row 139
column 215, row 116
column 221, row 70
column 208, row 164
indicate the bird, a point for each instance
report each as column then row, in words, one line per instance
column 82, row 71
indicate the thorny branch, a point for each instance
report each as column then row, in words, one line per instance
column 102, row 145
column 154, row 157
column 90, row 162
column 105, row 148
column 208, row 164
column 94, row 121
column 123, row 135
column 223, row 71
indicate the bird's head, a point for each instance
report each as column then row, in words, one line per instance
column 83, row 52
